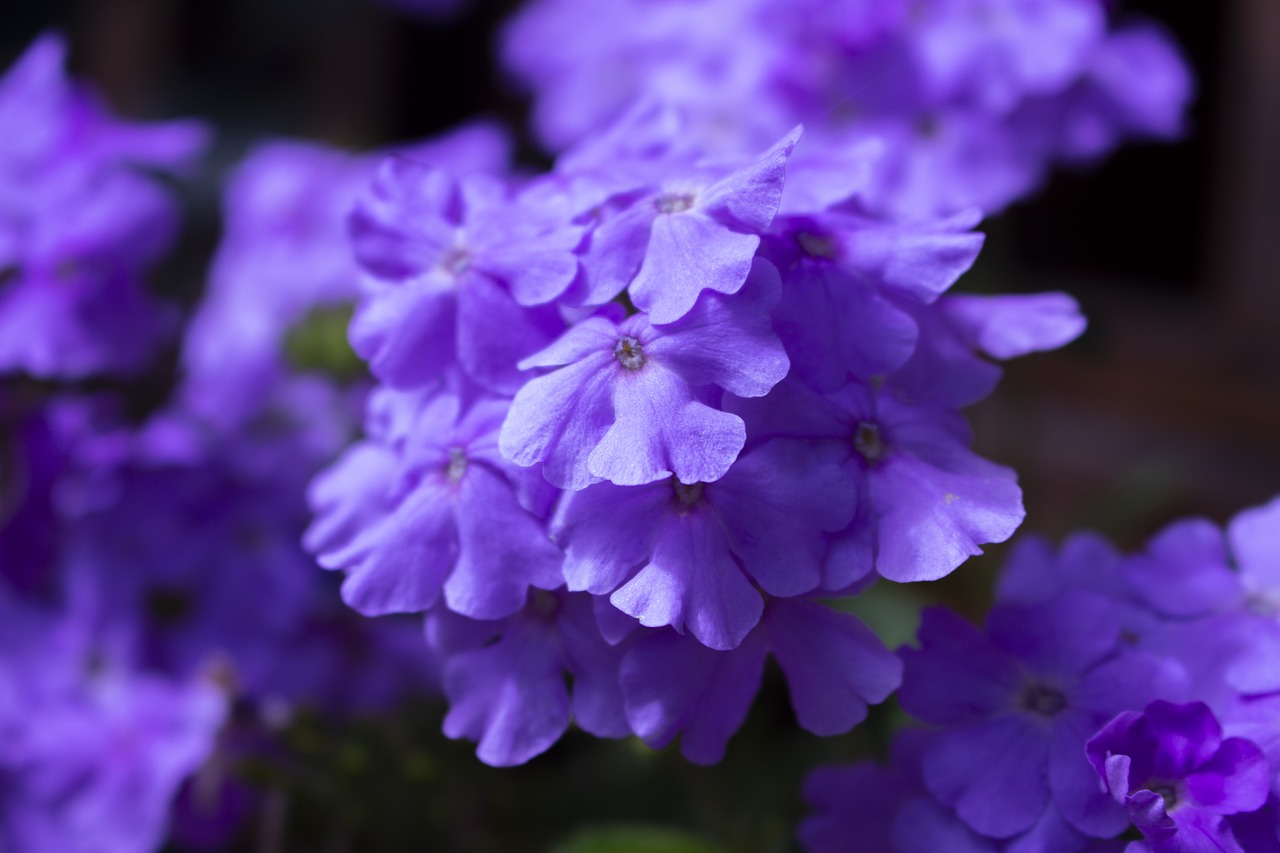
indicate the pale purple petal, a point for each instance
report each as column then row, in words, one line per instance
column 1012, row 326
column 399, row 565
column 748, row 199
column 407, row 331
column 693, row 583
column 553, row 417
column 1255, row 540
column 608, row 531
column 502, row 550
column 495, row 333
column 729, row 341
column 661, row 429
column 510, row 696
column 775, row 503
column 689, row 253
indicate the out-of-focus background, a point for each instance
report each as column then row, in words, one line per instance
column 1168, row 406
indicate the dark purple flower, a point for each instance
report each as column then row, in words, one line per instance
column 1016, row 705
column 1176, row 777
column 506, row 680
column 834, row 666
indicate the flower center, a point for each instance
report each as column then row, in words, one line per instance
column 1263, row 603
column 673, row 202
column 1043, row 700
column 868, row 442
column 687, row 494
column 456, row 262
column 817, row 245
column 629, row 353
column 1169, row 790
column 928, row 127
column 457, row 464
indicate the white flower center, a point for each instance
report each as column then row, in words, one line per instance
column 673, row 202
column 629, row 353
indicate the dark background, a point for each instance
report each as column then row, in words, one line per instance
column 1168, row 406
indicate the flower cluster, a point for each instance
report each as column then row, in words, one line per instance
column 1056, row 727
column 966, row 103
column 638, row 415
column 629, row 426
column 151, row 571
column 79, row 224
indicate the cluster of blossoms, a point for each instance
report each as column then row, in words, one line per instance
column 151, row 570
column 79, row 224
column 632, row 424
column 639, row 415
column 1105, row 692
column 965, row 103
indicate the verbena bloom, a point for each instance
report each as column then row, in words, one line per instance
column 889, row 808
column 1016, row 703
column 697, row 231
column 461, row 271
column 631, row 402
column 691, row 555
column 970, row 103
column 834, row 667
column 1176, row 777
column 80, row 222
column 432, row 509
column 284, row 258
column 507, row 681
column 925, row 500
column 92, row 748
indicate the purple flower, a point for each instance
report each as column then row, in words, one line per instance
column 79, row 223
column 435, row 509
column 1016, row 705
column 630, row 401
column 693, row 233
column 1254, row 537
column 834, row 666
column 845, row 277
column 1176, row 777
column 1098, row 112
column 926, row 501
column 687, row 555
column 996, row 52
column 969, row 101
column 461, row 272
column 92, row 751
column 506, row 680
column 285, row 253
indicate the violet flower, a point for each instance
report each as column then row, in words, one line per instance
column 1177, row 778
